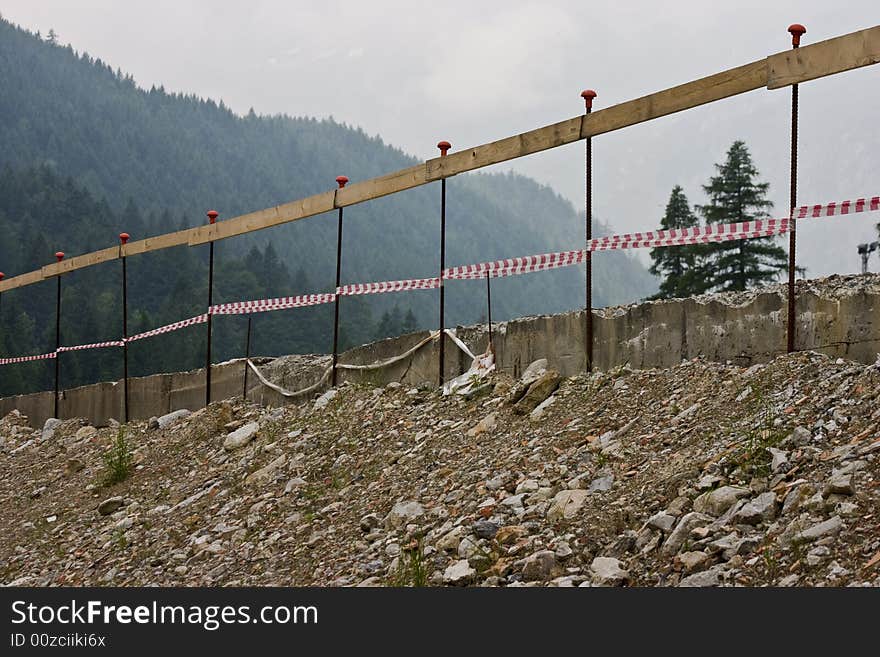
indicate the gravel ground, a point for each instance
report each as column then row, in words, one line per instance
column 699, row 475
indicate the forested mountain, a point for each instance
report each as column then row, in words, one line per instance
column 85, row 153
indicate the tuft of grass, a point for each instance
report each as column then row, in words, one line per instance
column 411, row 567
column 119, row 539
column 117, row 460
column 771, row 562
column 753, row 458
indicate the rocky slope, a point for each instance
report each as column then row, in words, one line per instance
column 698, row 475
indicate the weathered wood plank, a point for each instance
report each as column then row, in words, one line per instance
column 817, row 60
column 80, row 262
column 280, row 214
column 391, row 183
column 692, row 94
column 527, row 143
column 685, row 96
column 21, row 280
column 177, row 238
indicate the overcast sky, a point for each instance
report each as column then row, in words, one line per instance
column 472, row 72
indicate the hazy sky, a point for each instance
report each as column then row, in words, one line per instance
column 472, row 72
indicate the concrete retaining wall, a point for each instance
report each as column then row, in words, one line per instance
column 745, row 329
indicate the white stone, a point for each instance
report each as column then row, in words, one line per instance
column 534, row 371
column 527, row 486
column 760, row 509
column 322, row 401
column 662, row 521
column 266, row 474
column 830, row 526
column 49, row 428
column 719, row 500
column 486, row 425
column 566, row 504
column 403, row 513
column 459, row 573
column 241, row 436
column 607, row 572
column 541, row 408
column 170, row 418
column 780, row 458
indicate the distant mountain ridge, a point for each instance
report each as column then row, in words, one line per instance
column 156, row 161
column 178, row 152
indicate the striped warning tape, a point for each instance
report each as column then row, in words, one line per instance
column 836, row 208
column 198, row 319
column 388, row 286
column 265, row 305
column 26, row 359
column 512, row 266
column 94, row 345
column 694, row 235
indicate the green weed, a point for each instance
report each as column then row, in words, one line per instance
column 117, row 460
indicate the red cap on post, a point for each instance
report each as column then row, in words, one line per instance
column 212, row 215
column 123, row 237
column 797, row 31
column 2, row 275
column 588, row 95
column 59, row 255
column 341, row 180
column 444, row 146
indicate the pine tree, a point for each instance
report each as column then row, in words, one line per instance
column 679, row 265
column 390, row 325
column 735, row 195
column 410, row 325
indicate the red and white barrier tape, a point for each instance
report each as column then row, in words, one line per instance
column 94, row 345
column 658, row 238
column 198, row 319
column 26, row 359
column 694, row 235
column 388, row 286
column 512, row 266
column 265, row 305
column 836, row 208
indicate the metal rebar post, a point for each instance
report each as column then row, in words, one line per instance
column 588, row 95
column 796, row 31
column 444, row 147
column 489, row 305
column 212, row 218
column 1, row 302
column 341, row 181
column 123, row 239
column 59, row 256
column 247, row 355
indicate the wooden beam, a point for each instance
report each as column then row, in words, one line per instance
column 692, row 94
column 280, row 214
column 835, row 55
column 527, row 143
column 21, row 280
column 391, row 183
column 824, row 58
column 166, row 241
column 80, row 262
column 685, row 96
column 806, row 63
